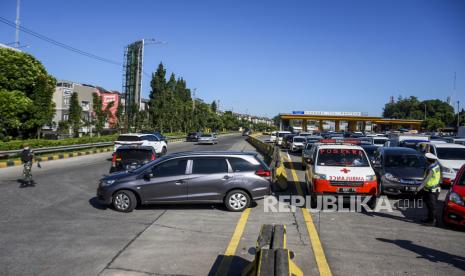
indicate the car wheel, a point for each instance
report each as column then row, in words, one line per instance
column 163, row 151
column 124, row 201
column 237, row 200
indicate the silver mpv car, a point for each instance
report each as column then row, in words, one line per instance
column 233, row 178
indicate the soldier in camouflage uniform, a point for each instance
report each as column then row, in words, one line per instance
column 27, row 157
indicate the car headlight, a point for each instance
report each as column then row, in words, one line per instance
column 447, row 170
column 456, row 198
column 319, row 176
column 107, row 182
column 371, row 177
column 391, row 177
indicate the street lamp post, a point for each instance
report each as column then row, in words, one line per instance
column 458, row 115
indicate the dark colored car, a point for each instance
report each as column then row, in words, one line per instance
column 287, row 140
column 193, row 137
column 399, row 170
column 370, row 151
column 454, row 204
column 246, row 132
column 413, row 144
column 131, row 157
column 233, row 178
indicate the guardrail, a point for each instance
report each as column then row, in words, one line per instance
column 271, row 255
column 45, row 150
column 13, row 153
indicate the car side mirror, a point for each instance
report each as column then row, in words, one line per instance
column 147, row 175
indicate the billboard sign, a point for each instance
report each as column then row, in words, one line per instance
column 133, row 56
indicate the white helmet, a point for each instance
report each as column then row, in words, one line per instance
column 431, row 156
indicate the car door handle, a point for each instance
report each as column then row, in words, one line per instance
column 226, row 177
column 179, row 182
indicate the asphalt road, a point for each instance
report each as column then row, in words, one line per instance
column 58, row 228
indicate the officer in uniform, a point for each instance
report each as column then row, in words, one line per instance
column 430, row 188
column 27, row 157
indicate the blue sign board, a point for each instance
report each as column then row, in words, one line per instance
column 298, row 112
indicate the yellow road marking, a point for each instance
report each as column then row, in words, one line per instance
column 223, row 268
column 318, row 251
column 236, row 237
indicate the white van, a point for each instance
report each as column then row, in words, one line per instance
column 280, row 135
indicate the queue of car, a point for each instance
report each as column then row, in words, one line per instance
column 396, row 162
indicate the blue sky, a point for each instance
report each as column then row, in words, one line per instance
column 263, row 57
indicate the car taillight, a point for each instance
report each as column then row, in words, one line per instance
column 153, row 156
column 263, row 173
column 113, row 160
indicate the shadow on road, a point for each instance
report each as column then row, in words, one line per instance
column 429, row 254
column 25, row 184
column 228, row 265
column 94, row 202
column 293, row 165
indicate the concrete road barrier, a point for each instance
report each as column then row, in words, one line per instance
column 272, row 157
column 271, row 255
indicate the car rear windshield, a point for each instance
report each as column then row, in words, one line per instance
column 299, row 140
column 241, row 165
column 342, row 158
column 379, row 141
column 405, row 160
column 451, row 153
column 370, row 150
column 409, row 144
column 134, row 154
column 128, row 138
column 192, row 134
column 308, row 145
column 281, row 134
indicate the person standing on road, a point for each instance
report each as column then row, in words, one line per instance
column 27, row 157
column 430, row 188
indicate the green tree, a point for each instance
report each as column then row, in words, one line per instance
column 74, row 114
column 230, row 121
column 433, row 124
column 157, row 98
column 14, row 106
column 435, row 111
column 214, row 107
column 98, row 116
column 119, row 114
column 22, row 72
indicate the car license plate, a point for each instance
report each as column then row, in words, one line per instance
column 411, row 189
column 346, row 190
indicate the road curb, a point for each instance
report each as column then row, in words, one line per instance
column 13, row 163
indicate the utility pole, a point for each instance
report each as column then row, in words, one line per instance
column 18, row 3
column 458, row 115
